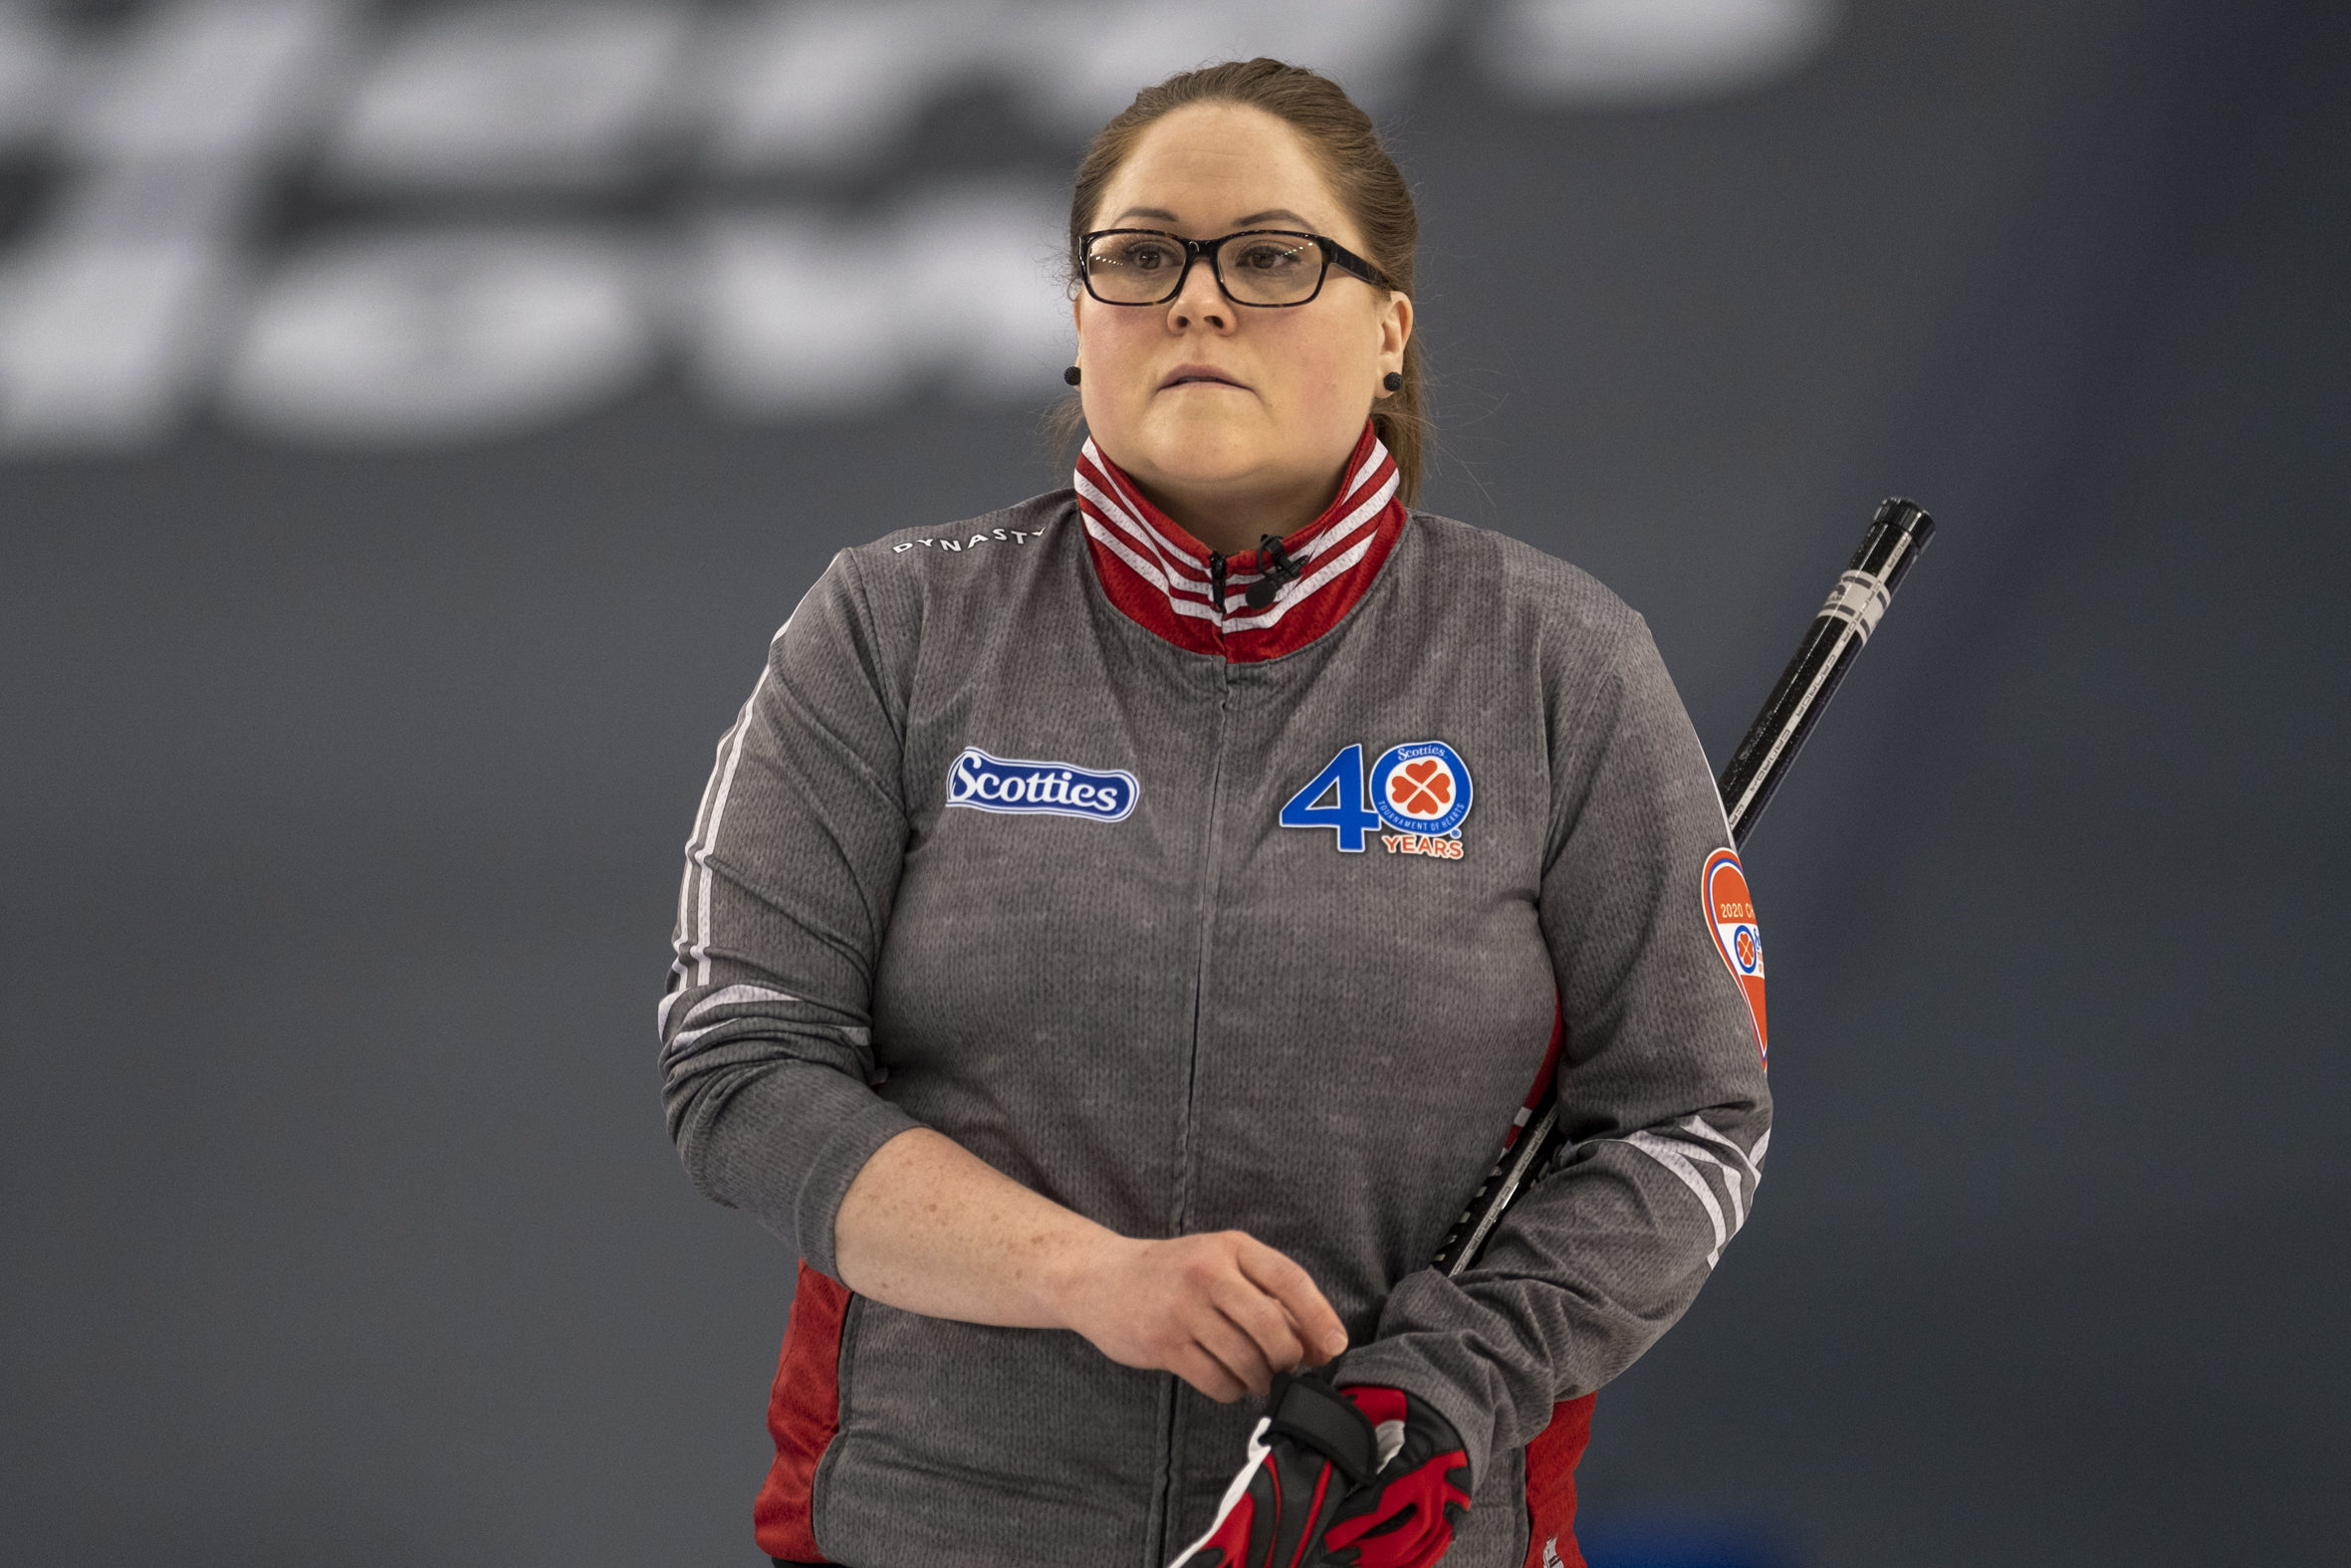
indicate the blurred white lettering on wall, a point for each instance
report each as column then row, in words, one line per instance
column 428, row 338
column 552, row 92
column 794, row 313
column 1641, row 51
column 29, row 72
column 334, row 221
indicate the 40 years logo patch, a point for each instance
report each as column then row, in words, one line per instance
column 1420, row 792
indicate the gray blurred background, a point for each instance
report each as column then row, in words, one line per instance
column 414, row 421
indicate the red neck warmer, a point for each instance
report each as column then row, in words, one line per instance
column 1159, row 575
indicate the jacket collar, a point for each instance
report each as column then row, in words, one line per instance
column 1159, row 576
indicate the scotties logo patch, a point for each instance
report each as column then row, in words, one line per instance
column 1421, row 788
column 1731, row 916
column 1022, row 788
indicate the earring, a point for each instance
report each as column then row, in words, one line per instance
column 1393, row 381
column 1070, row 375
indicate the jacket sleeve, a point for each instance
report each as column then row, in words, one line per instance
column 767, row 1051
column 1660, row 1080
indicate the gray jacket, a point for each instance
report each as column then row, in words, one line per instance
column 986, row 854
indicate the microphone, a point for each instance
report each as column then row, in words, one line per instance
column 1280, row 571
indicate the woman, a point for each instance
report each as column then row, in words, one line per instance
column 1121, row 930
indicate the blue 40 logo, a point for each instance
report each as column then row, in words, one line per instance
column 1421, row 788
column 1343, row 775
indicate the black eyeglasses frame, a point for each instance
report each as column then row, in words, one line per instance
column 1333, row 255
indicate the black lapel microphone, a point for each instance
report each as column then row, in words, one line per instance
column 1280, row 571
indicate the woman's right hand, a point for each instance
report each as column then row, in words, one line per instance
column 1223, row 1311
column 927, row 1227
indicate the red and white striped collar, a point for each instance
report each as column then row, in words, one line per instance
column 1159, row 575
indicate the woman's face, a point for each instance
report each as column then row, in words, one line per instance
column 1231, row 413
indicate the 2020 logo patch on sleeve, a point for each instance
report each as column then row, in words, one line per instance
column 1731, row 916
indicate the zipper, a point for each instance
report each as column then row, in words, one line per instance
column 852, row 1322
column 1216, row 585
column 1211, row 832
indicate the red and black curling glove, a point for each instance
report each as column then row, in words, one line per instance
column 1372, row 1460
column 1309, row 1449
column 1406, row 1516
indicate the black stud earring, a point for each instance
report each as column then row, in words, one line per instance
column 1393, row 381
column 1072, row 375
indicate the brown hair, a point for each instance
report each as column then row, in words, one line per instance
column 1361, row 174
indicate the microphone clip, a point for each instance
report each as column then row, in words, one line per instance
column 1280, row 571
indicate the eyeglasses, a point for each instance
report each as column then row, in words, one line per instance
column 1262, row 266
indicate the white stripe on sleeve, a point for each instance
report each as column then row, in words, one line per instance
column 1669, row 1153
